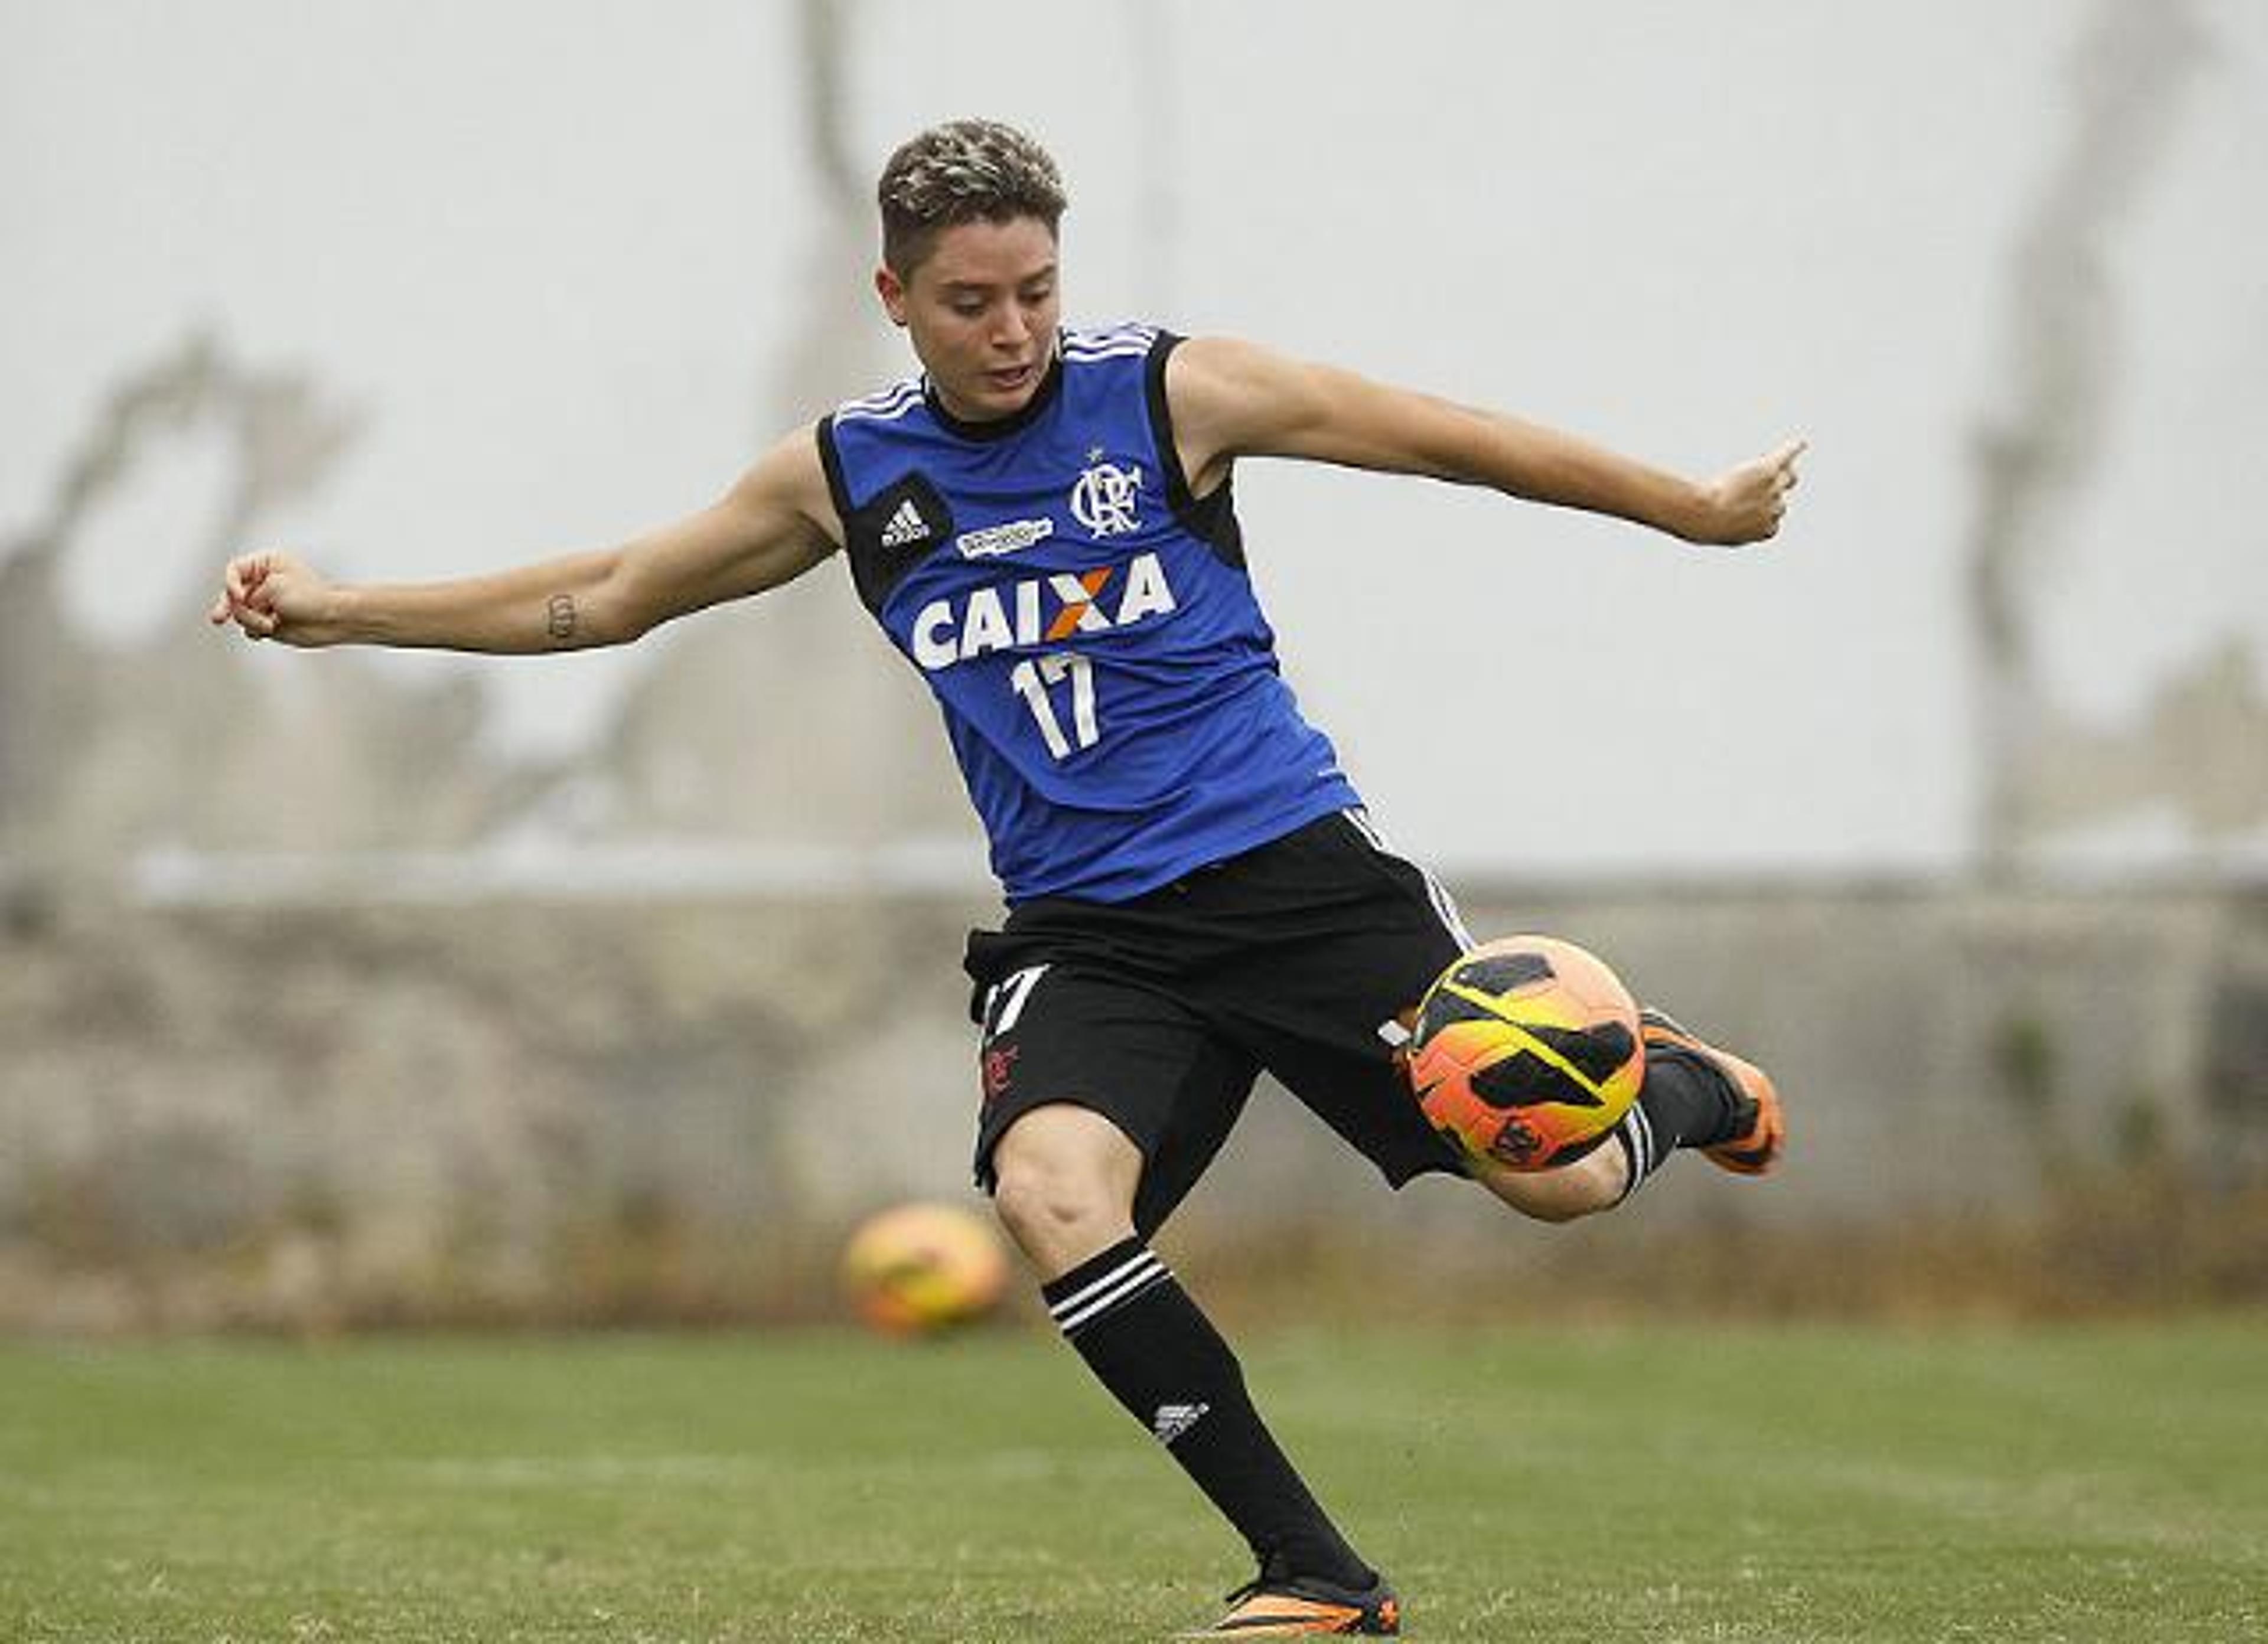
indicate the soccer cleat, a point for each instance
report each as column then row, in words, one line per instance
column 1756, row 1148
column 1302, row 1606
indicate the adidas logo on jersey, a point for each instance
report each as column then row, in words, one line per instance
column 1173, row 1420
column 906, row 526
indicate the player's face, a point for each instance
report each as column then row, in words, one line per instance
column 981, row 310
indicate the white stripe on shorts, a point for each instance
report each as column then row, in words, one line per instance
column 1444, row 906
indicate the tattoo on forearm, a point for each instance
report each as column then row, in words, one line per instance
column 561, row 612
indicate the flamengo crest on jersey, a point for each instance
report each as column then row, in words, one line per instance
column 1106, row 679
column 1103, row 500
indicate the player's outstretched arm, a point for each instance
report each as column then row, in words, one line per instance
column 771, row 527
column 1232, row 399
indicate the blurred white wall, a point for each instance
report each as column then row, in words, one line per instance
column 554, row 259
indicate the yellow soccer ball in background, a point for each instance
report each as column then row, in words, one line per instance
column 919, row 1268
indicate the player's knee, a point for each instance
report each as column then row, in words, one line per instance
column 1035, row 1196
column 1063, row 1191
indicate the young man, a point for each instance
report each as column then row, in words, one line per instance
column 1042, row 522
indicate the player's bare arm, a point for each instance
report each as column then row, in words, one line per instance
column 774, row 523
column 1231, row 398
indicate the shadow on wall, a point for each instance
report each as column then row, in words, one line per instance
column 107, row 746
column 805, row 737
column 164, row 740
column 2196, row 748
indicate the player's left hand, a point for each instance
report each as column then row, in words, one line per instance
column 1746, row 504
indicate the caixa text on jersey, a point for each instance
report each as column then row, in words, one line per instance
column 1039, row 610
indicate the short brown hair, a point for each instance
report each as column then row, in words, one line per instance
column 961, row 171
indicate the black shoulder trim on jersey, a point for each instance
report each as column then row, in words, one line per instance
column 894, row 531
column 1162, row 423
column 1210, row 519
column 831, row 461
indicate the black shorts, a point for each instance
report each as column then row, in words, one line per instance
column 1300, row 958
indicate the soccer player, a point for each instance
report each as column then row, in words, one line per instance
column 1043, row 522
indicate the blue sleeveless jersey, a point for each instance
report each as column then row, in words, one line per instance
column 1088, row 627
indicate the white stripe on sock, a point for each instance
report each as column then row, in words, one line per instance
column 1070, row 1324
column 1637, row 1134
column 1139, row 1259
column 1122, row 1283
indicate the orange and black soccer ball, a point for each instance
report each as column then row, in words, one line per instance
column 1525, row 1053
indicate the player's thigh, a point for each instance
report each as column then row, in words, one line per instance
column 1065, row 1035
column 1331, row 981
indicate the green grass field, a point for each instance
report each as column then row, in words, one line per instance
column 2075, row 1483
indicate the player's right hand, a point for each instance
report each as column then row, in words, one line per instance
column 1745, row 504
column 272, row 596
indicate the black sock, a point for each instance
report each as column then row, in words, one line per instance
column 1684, row 1103
column 1161, row 1357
